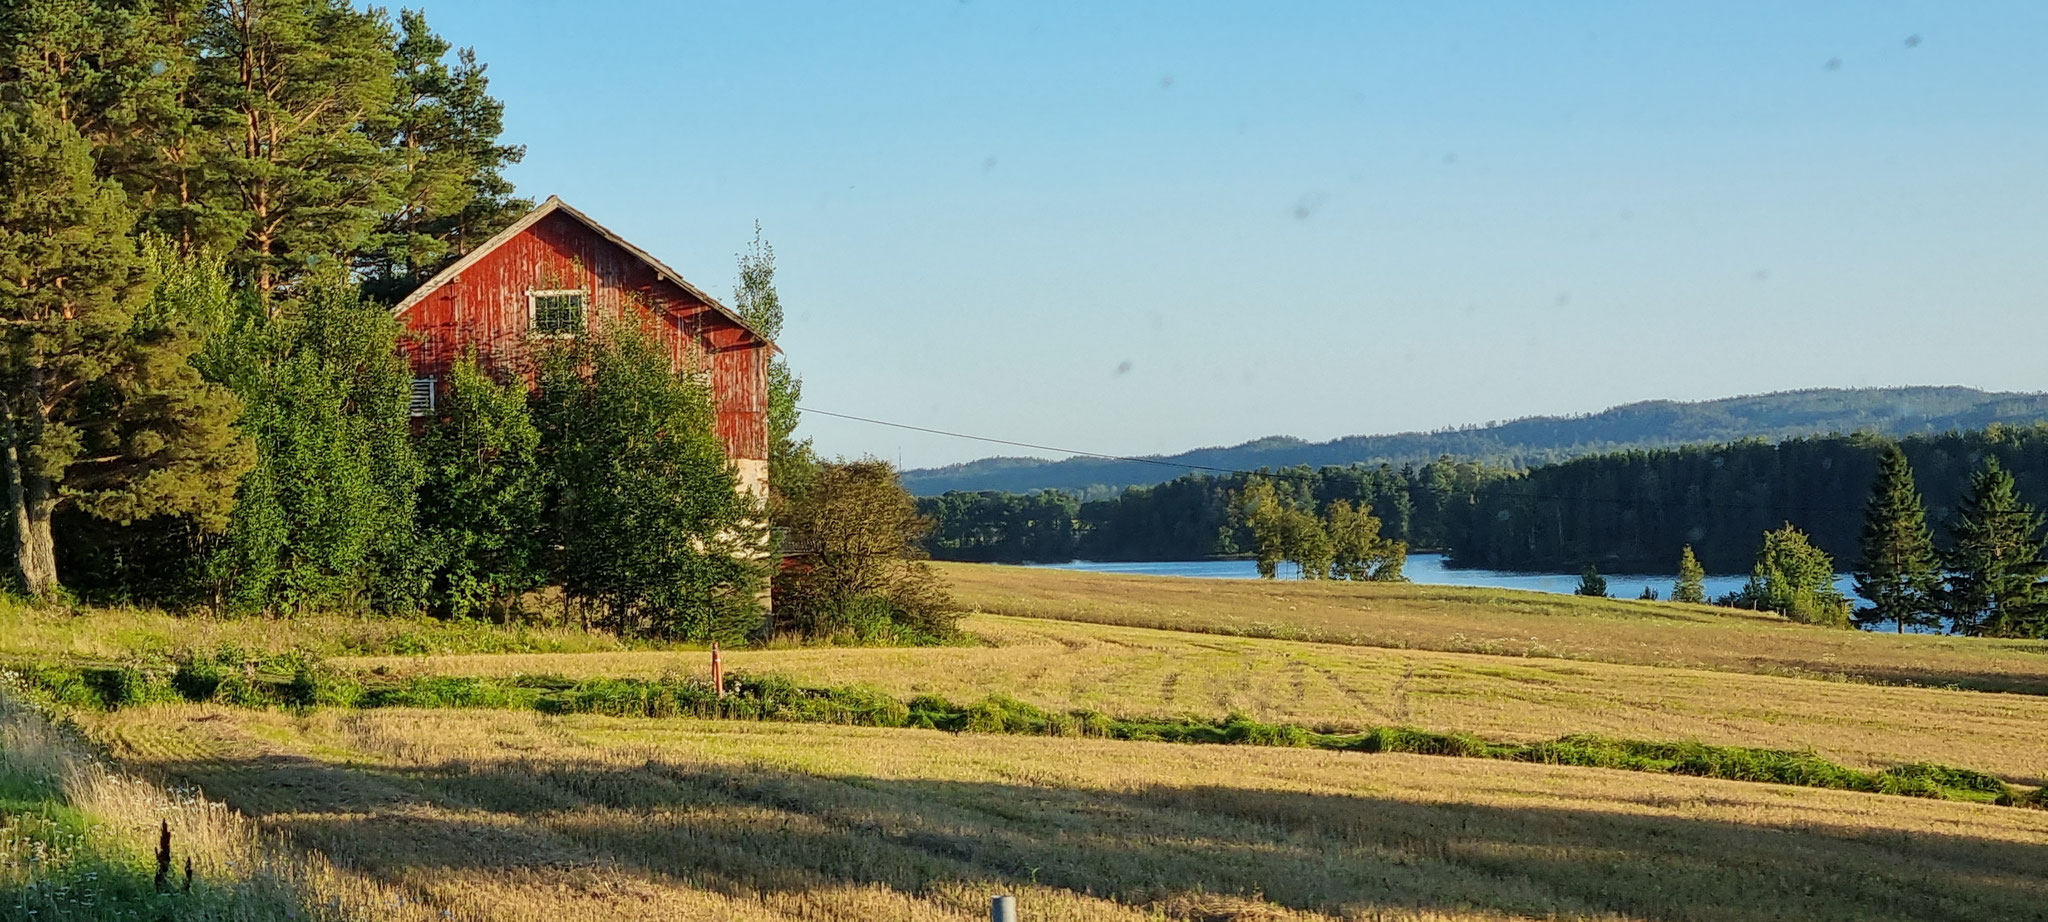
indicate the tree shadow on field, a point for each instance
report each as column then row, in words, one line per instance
column 746, row 830
column 2017, row 683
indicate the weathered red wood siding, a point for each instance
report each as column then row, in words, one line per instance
column 487, row 306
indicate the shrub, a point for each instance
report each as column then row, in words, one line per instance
column 198, row 679
column 860, row 574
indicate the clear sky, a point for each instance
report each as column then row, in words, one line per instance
column 1141, row 228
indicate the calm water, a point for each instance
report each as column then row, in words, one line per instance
column 1430, row 568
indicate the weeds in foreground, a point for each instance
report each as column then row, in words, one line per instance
column 75, row 839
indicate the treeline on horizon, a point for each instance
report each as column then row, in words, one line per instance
column 1533, row 441
column 1629, row 510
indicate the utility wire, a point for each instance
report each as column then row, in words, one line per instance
column 1067, row 451
column 1291, row 475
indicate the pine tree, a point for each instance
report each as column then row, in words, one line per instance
column 789, row 459
column 302, row 90
column 480, row 502
column 1898, row 573
column 1995, row 567
column 1692, row 579
column 452, row 195
column 99, row 408
column 1591, row 583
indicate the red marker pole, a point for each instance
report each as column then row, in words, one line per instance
column 717, row 670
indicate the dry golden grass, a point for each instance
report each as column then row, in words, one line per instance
column 513, row 815
column 1138, row 672
column 50, row 873
column 1502, row 621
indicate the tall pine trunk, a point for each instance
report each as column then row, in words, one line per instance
column 34, row 501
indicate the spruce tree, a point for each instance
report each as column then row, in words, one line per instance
column 1995, row 567
column 1591, row 583
column 1899, row 571
column 1692, row 579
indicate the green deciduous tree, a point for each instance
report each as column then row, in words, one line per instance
column 653, row 536
column 480, row 501
column 1899, row 571
column 1796, row 579
column 790, row 460
column 1308, row 543
column 1995, row 567
column 861, row 575
column 1691, row 585
column 326, row 518
column 1358, row 550
column 1260, row 509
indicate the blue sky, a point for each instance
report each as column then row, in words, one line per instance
column 1140, row 228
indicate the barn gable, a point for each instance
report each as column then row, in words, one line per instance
column 535, row 276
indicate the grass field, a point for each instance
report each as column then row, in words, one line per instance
column 397, row 813
column 1503, row 621
column 1138, row 672
column 114, row 633
column 509, row 815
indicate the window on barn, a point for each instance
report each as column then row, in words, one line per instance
column 557, row 313
column 422, row 396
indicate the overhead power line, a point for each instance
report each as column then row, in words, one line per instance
column 1066, row 451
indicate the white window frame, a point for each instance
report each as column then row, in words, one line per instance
column 533, row 296
column 430, row 391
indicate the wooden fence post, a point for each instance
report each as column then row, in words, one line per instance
column 717, row 670
column 1002, row 909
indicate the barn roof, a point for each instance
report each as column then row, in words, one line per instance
column 552, row 205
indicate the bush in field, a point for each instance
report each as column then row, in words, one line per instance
column 652, row 535
column 860, row 572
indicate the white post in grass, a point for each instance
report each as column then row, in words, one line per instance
column 1002, row 909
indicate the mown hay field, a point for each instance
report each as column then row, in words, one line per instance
column 514, row 815
column 1139, row 672
column 1503, row 621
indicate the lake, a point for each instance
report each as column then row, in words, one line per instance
column 1431, row 568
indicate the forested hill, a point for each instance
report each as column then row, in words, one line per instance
column 1893, row 411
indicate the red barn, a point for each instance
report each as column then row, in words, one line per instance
column 553, row 273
